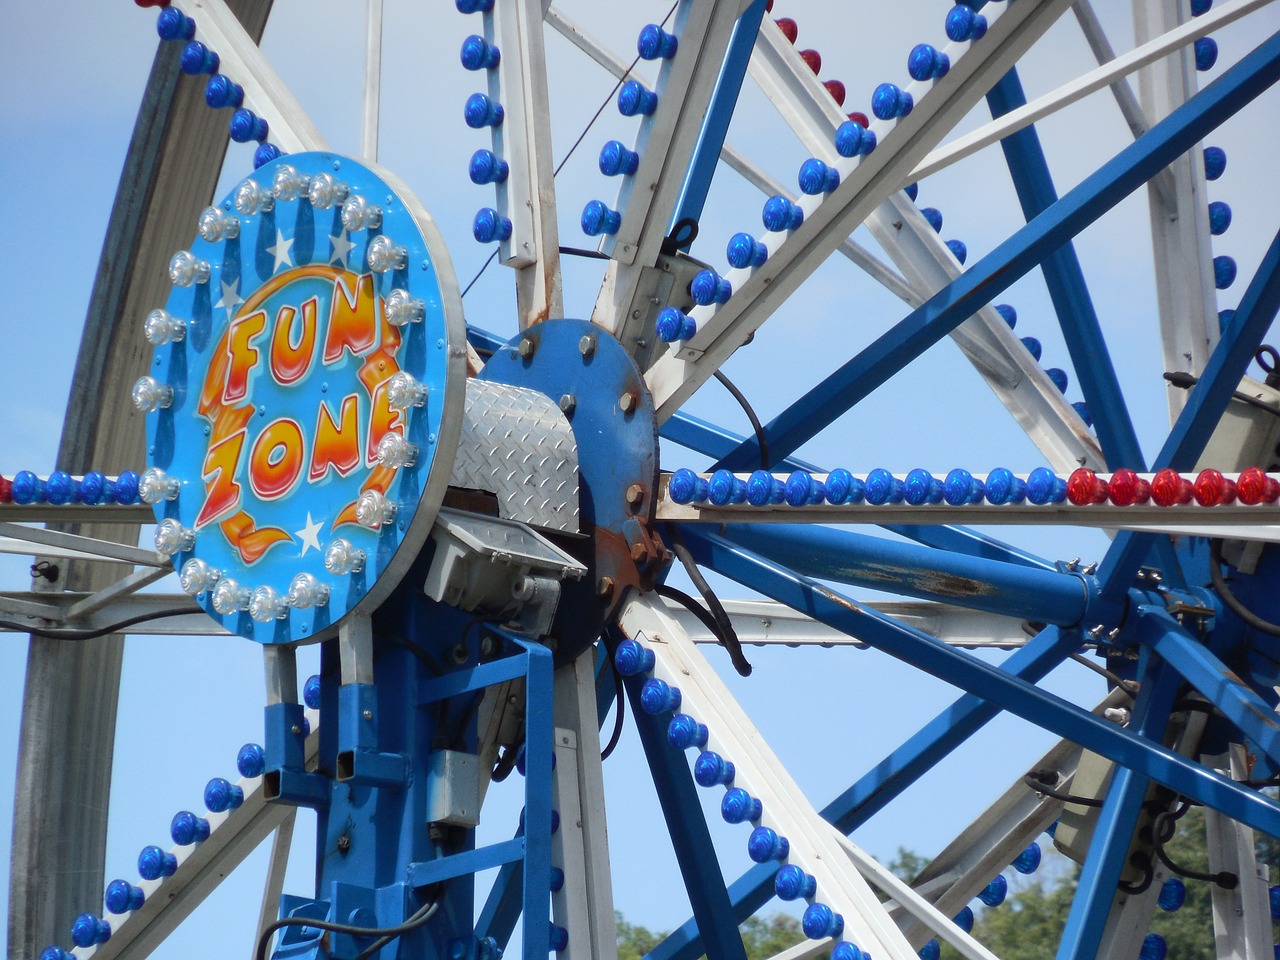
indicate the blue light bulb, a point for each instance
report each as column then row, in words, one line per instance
column 844, row 950
column 843, row 487
column 60, row 488
column 93, row 486
column 912, row 190
column 1058, row 377
column 617, row 160
column 221, row 794
column 1044, row 487
column 657, row 696
column 1082, row 409
column 598, row 219
column 27, row 488
column 197, row 59
column 964, row 919
column 738, row 806
column 673, row 324
column 763, row 488
column 635, row 100
column 1052, row 828
column 1224, row 320
column 1219, row 218
column 88, row 930
column 520, row 769
column 1003, row 487
column 765, row 845
column 559, row 938
column 1215, row 162
column 489, row 225
column 1273, row 896
column 934, row 217
column 745, row 251
column 930, row 951
column 557, row 880
column 816, row 177
column 251, row 761
column 1224, row 272
column 964, row 24
column 122, row 897
column 724, row 488
column 221, row 91
column 711, row 769
column 487, row 167
column 480, row 112
column 820, row 921
column 1206, row 53
column 708, row 288
column 883, row 487
column 1028, row 861
column 925, row 62
column 792, row 883
column 854, row 140
column 555, row 817
column 961, row 488
column 995, row 892
column 1200, row 7
column 125, row 489
column 684, row 732
column 173, row 24
column 56, row 953
column 1153, row 947
column 264, row 153
column 799, row 489
column 479, row 54
column 154, row 863
column 186, row 828
column 686, row 486
column 890, row 102
column 246, row 125
column 654, row 43
column 311, row 692
column 1009, row 314
column 921, row 487
column 958, row 250
column 1173, row 893
column 473, row 6
column 1033, row 347
column 781, row 214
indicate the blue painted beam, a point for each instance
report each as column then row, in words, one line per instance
column 994, row 273
column 827, row 553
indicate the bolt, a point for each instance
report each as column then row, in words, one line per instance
column 344, row 844
column 635, row 314
column 525, row 349
column 1074, row 564
column 1114, row 634
column 640, row 553
column 1096, row 632
column 635, row 495
column 604, row 587
column 1155, row 576
column 295, row 729
column 627, row 402
column 568, row 403
column 368, row 714
column 1090, row 570
column 587, row 345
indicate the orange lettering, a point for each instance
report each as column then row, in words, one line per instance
column 220, row 463
column 382, row 420
column 337, row 446
column 244, row 356
column 276, row 461
column 290, row 363
column 353, row 321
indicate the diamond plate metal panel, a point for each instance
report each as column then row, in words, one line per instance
column 518, row 445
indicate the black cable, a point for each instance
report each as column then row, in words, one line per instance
column 94, row 634
column 693, row 606
column 1186, row 381
column 728, row 636
column 619, row 713
column 1039, row 786
column 737, row 394
column 427, row 911
column 1148, row 875
column 1230, row 599
column 1225, row 879
column 1128, row 686
column 479, row 273
column 579, row 252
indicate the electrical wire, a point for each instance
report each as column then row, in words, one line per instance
column 116, row 627
column 738, row 395
column 1039, row 786
column 427, row 911
column 1225, row 879
column 1230, row 599
column 619, row 713
column 1186, row 381
column 1128, row 686
column 728, row 636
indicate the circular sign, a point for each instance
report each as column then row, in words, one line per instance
column 305, row 398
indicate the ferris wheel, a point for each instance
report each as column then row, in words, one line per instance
column 311, row 375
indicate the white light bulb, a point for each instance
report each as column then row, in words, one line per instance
column 326, row 190
column 266, row 605
column 149, row 394
column 359, row 214
column 403, row 392
column 394, row 451
column 216, row 224
column 197, row 577
column 162, row 327
column 400, row 307
column 306, row 591
column 288, row 183
column 230, row 597
column 374, row 510
column 172, row 538
column 386, row 255
column 251, row 197
column 155, row 485
column 341, row 558
column 185, row 269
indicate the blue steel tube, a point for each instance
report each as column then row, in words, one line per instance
column 1041, row 596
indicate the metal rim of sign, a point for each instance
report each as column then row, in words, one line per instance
column 281, row 377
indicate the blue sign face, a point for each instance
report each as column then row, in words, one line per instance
column 305, row 397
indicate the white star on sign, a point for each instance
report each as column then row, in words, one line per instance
column 341, row 247
column 281, row 251
column 310, row 535
column 230, row 297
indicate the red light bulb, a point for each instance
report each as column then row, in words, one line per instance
column 1212, row 489
column 1126, row 488
column 1169, row 488
column 836, row 89
column 6, row 490
column 1084, row 488
column 812, row 59
column 768, row 6
column 1254, row 486
column 860, row 119
column 788, row 28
